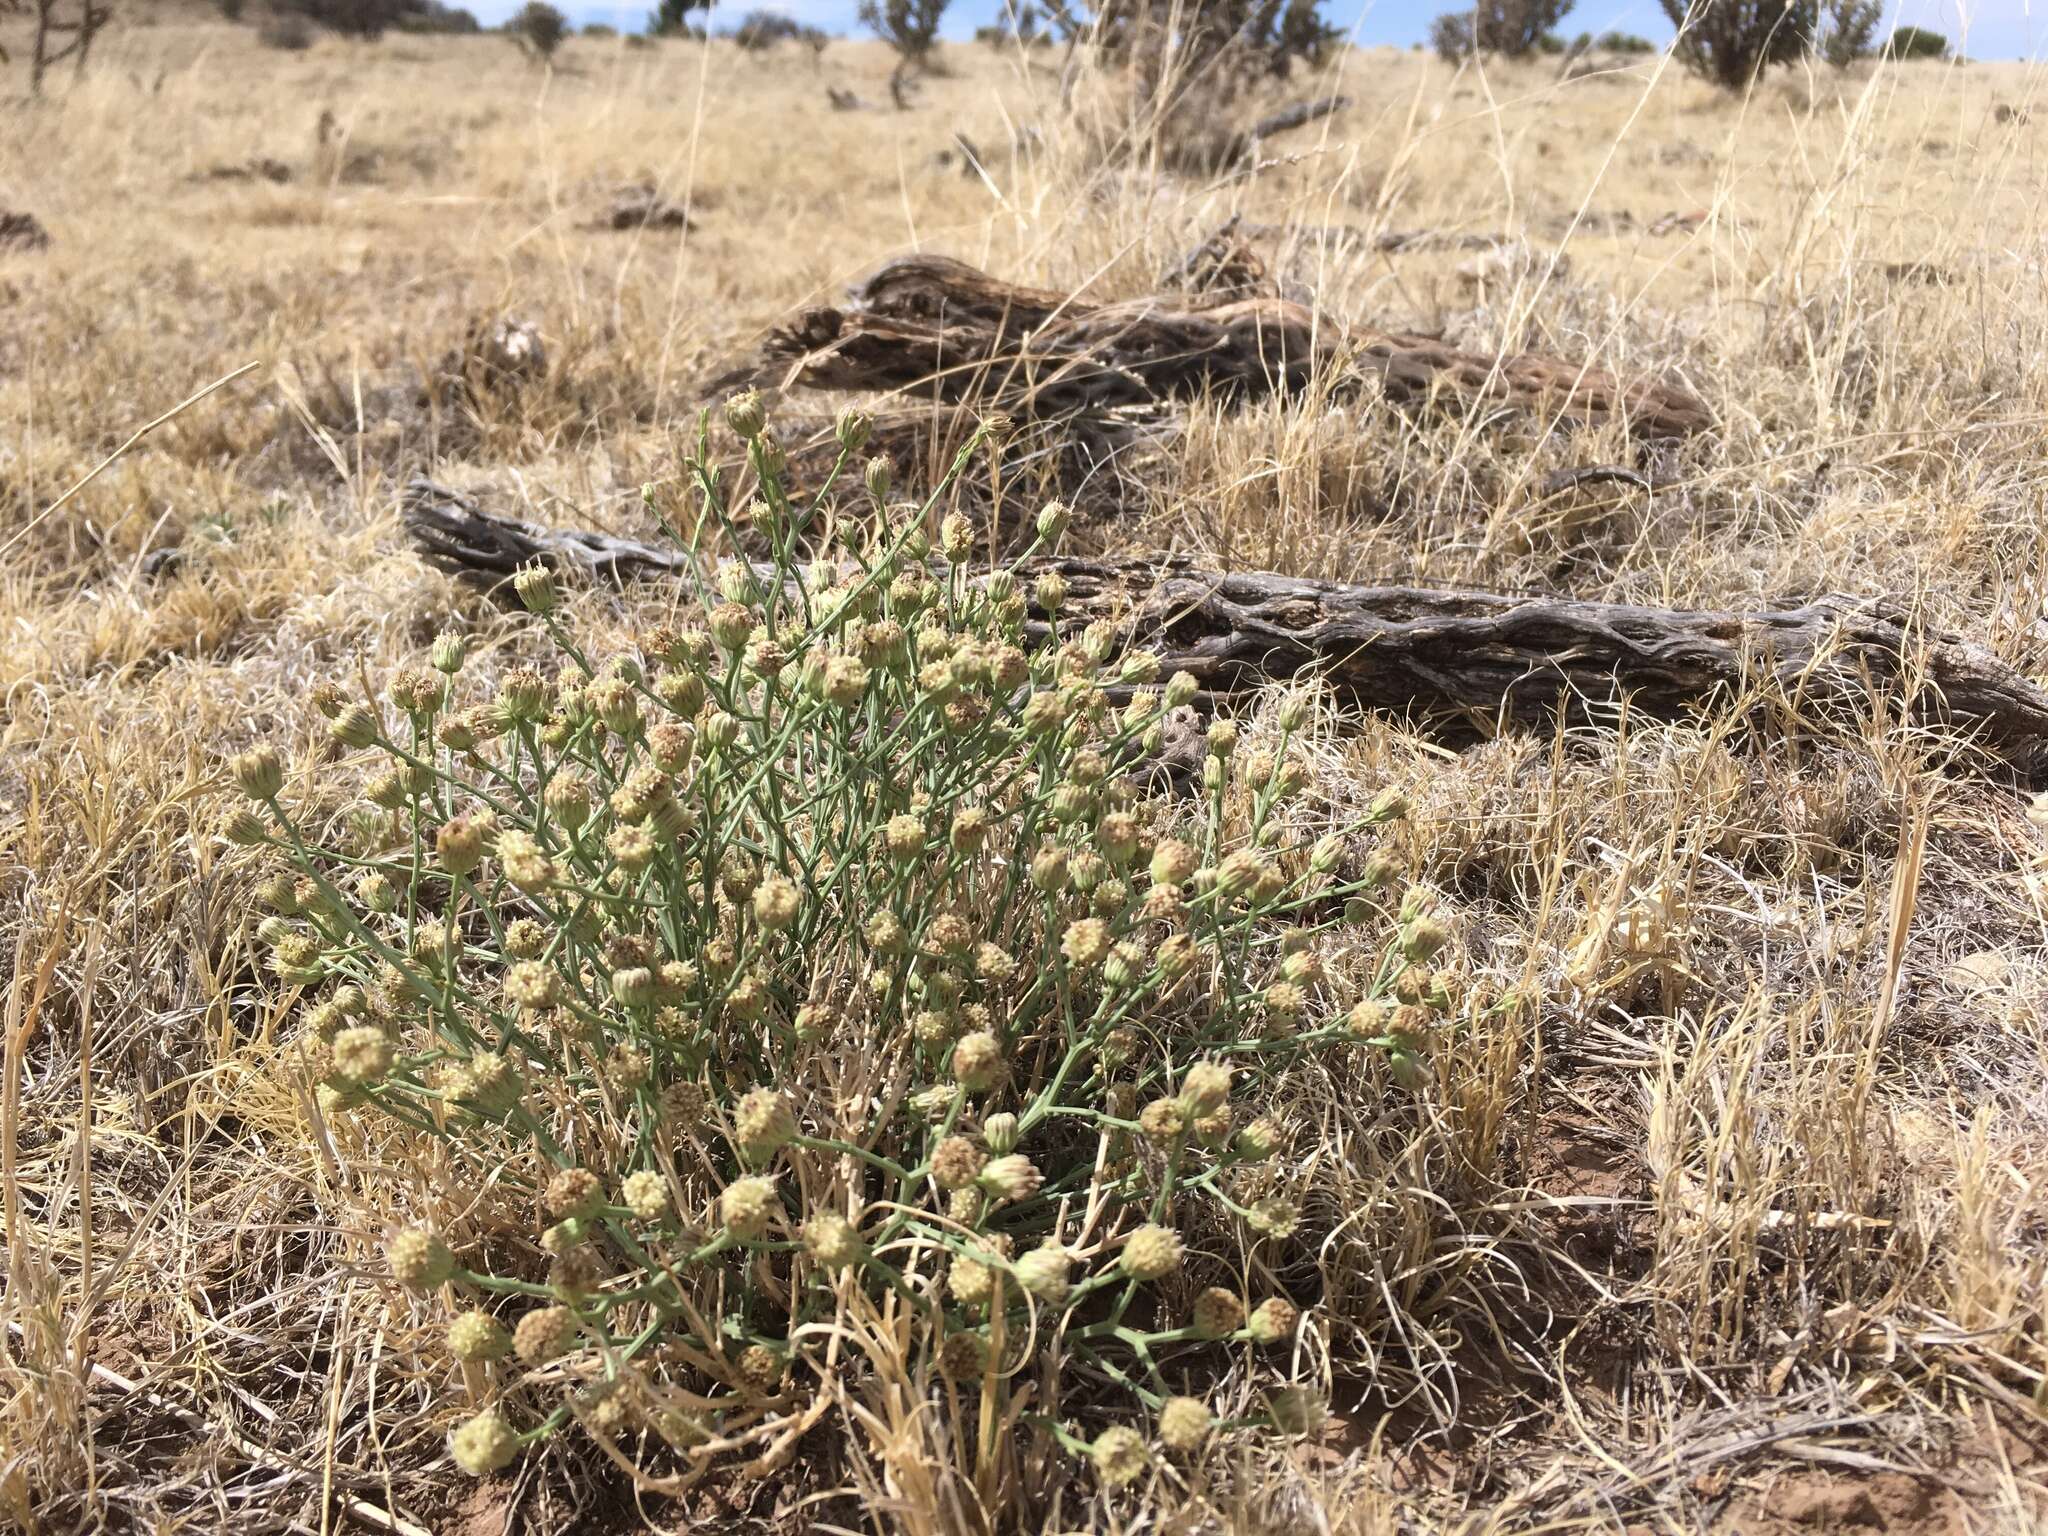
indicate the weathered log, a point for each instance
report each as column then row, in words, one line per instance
column 937, row 326
column 1472, row 661
column 1302, row 113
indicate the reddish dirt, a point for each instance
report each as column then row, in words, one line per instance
column 485, row 1511
column 1807, row 1501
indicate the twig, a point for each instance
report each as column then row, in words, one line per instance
column 139, row 434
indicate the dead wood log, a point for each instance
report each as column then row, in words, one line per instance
column 940, row 327
column 1299, row 115
column 643, row 207
column 1211, row 154
column 1471, row 661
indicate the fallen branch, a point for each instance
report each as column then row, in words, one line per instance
column 1475, row 660
column 1299, row 115
column 939, row 327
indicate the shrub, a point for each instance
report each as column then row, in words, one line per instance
column 1915, row 43
column 233, row 10
column 1732, row 42
column 1018, row 23
column 911, row 27
column 1511, row 28
column 289, row 34
column 1191, row 38
column 599, row 29
column 1623, row 42
column 351, row 18
column 539, row 28
column 1849, row 27
column 1450, row 36
column 433, row 17
column 760, row 30
column 670, row 18
column 831, row 942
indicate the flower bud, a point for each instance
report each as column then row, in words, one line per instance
column 483, row 1444
column 732, row 625
column 1273, row 1321
column 1205, row 1086
column 1012, row 1176
column 419, row 1259
column 745, row 414
column 978, row 1061
column 355, row 726
column 459, row 844
column 535, row 585
column 904, row 838
column 1217, row 1314
column 1150, row 1253
column 1184, row 1423
column 1042, row 1273
column 877, row 476
column 851, row 428
column 1423, row 938
column 832, row 1242
column 762, row 1123
column 1173, row 862
column 246, row 829
column 258, row 773
column 747, row 1206
column 719, row 730
column 475, row 1337
column 1049, row 869
column 1119, row 1456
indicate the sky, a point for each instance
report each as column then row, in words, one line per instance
column 1984, row 29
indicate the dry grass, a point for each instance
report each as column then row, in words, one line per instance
column 1750, row 1211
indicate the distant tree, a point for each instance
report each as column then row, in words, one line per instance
column 1017, row 23
column 1450, row 35
column 377, row 17
column 538, row 28
column 1512, row 28
column 1915, row 43
column 1849, row 27
column 762, row 30
column 287, row 34
column 351, row 18
column 1204, row 37
column 670, row 18
column 911, row 27
column 63, row 32
column 1623, row 42
column 433, row 16
column 1732, row 42
column 599, row 29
